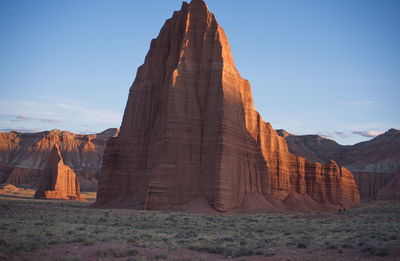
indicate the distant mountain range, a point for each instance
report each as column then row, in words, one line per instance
column 374, row 163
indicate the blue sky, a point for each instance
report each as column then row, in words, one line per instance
column 316, row 67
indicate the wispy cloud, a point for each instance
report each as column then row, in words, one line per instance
column 326, row 134
column 49, row 120
column 55, row 113
column 341, row 134
column 23, row 130
column 27, row 118
column 368, row 134
column 370, row 125
column 357, row 103
column 23, row 118
column 333, row 135
column 90, row 115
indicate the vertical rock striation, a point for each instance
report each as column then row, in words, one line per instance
column 58, row 181
column 190, row 131
column 370, row 183
column 24, row 156
column 373, row 163
column 391, row 191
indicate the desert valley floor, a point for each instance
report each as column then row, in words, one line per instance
column 66, row 230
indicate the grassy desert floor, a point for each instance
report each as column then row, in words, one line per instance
column 61, row 230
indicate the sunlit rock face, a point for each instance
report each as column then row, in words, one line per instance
column 191, row 135
column 24, row 156
column 373, row 163
column 58, row 180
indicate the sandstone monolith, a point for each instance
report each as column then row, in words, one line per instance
column 191, row 135
column 58, row 180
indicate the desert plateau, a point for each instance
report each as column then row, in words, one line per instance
column 194, row 172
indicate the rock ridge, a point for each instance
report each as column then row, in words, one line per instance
column 374, row 163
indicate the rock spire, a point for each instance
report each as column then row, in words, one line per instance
column 191, row 135
column 58, row 180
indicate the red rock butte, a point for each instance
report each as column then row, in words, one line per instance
column 58, row 180
column 191, row 138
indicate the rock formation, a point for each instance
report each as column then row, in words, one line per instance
column 391, row 191
column 190, row 133
column 58, row 181
column 313, row 147
column 23, row 156
column 9, row 189
column 373, row 163
column 370, row 183
column 380, row 154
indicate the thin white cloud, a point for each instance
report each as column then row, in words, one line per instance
column 341, row 134
column 27, row 118
column 332, row 135
column 368, row 134
column 27, row 108
column 358, row 103
column 55, row 114
column 325, row 134
column 369, row 125
column 22, row 130
column 89, row 115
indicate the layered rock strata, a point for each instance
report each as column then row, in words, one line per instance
column 374, row 163
column 370, row 183
column 24, row 156
column 378, row 155
column 190, row 133
column 58, row 181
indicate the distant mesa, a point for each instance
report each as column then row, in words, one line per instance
column 58, row 180
column 192, row 140
column 374, row 163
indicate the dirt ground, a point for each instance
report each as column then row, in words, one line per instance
column 96, row 252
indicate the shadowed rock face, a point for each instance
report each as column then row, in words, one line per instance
column 391, row 190
column 378, row 155
column 370, row 183
column 24, row 156
column 374, row 163
column 58, row 181
column 190, row 131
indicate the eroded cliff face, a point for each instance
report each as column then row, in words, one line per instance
column 378, row 155
column 391, row 190
column 374, row 163
column 190, row 131
column 58, row 180
column 24, row 156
